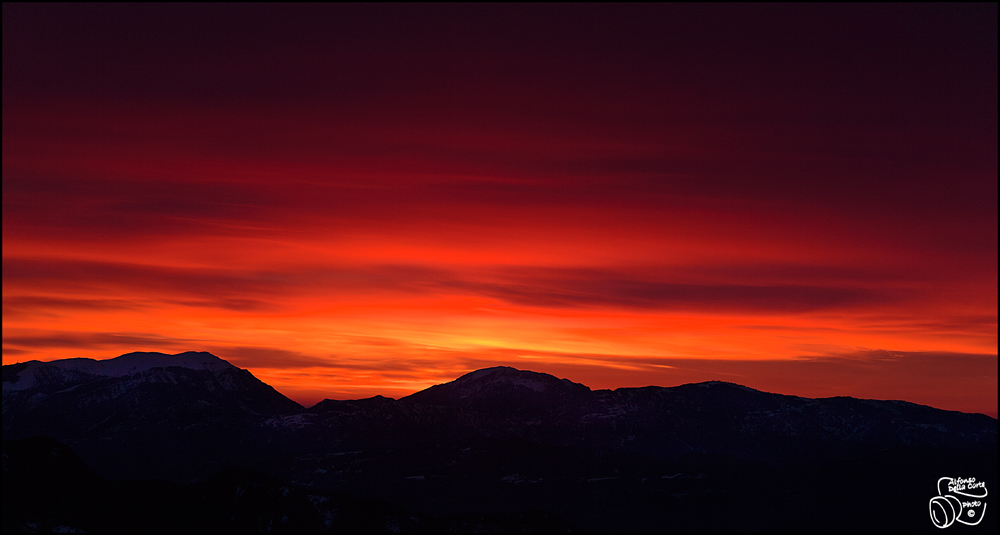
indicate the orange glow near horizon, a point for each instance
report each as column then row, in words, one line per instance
column 627, row 234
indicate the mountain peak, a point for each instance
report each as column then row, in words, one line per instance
column 196, row 360
column 484, row 372
column 498, row 380
column 514, row 378
column 725, row 384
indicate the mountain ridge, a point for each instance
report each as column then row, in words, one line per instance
column 140, row 361
column 195, row 388
column 502, row 440
column 27, row 374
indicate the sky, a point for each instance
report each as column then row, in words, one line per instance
column 351, row 200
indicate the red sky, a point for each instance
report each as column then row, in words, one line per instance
column 360, row 200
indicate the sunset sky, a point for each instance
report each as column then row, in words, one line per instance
column 372, row 199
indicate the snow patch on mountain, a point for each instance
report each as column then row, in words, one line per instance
column 483, row 373
column 295, row 421
column 534, row 384
column 507, row 376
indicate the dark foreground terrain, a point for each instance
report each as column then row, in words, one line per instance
column 138, row 443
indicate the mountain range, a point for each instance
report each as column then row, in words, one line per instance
column 495, row 449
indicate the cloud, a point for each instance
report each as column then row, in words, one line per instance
column 258, row 290
column 239, row 305
column 25, row 307
column 18, row 302
column 92, row 340
column 638, row 294
column 226, row 286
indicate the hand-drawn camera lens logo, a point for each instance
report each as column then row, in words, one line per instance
column 959, row 500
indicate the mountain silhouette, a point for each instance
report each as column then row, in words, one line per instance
column 502, row 441
column 143, row 414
